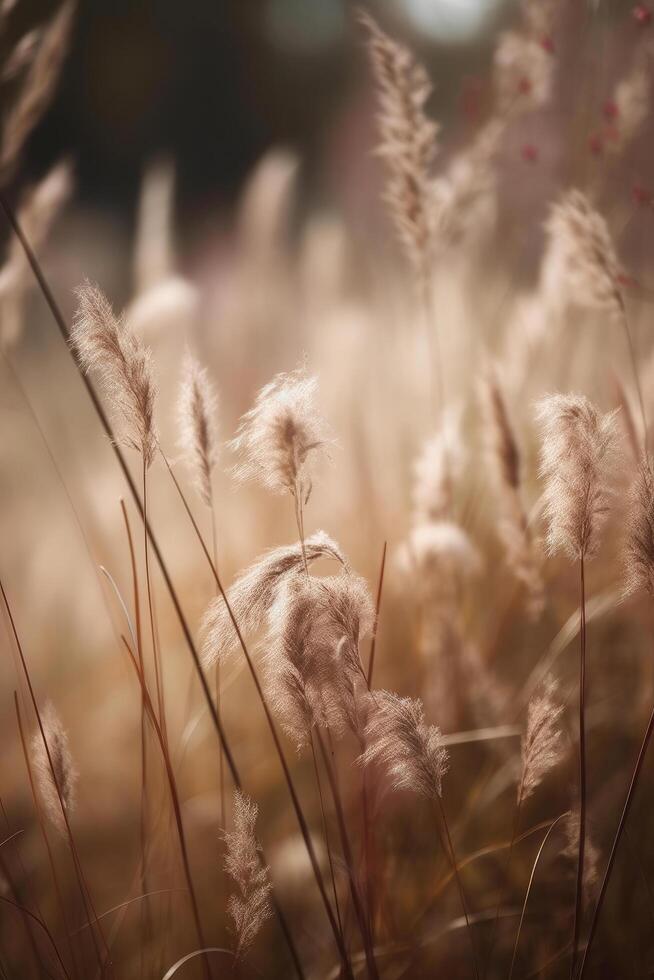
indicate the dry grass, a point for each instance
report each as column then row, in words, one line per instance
column 414, row 744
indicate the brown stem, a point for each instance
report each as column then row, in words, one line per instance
column 108, row 429
column 528, row 892
column 12, row 885
column 326, row 834
column 146, row 912
column 616, row 840
column 299, row 520
column 367, row 860
column 174, row 598
column 38, row 964
column 373, row 642
column 172, row 785
column 214, row 543
column 84, row 890
column 349, row 862
column 158, row 675
column 505, row 875
column 53, row 870
column 448, row 847
column 35, row 918
column 582, row 773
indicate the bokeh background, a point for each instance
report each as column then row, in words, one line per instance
column 225, row 148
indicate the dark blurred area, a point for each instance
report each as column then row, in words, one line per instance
column 214, row 83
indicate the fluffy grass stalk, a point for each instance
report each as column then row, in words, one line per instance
column 304, row 830
column 198, row 440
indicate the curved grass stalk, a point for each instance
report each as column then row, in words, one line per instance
column 528, row 892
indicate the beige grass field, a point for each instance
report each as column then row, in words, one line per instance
column 327, row 540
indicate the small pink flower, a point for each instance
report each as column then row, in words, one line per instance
column 610, row 109
column 642, row 15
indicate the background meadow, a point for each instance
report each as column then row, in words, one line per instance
column 282, row 190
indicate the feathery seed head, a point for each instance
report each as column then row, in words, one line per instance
column 282, row 436
column 581, row 258
column 640, row 532
column 252, row 595
column 522, row 73
column 106, row 344
column 463, row 199
column 591, row 852
column 577, row 454
column 542, row 743
column 57, row 781
column 249, row 906
column 37, row 211
column 400, row 741
column 37, row 88
column 408, row 140
column 197, row 415
column 314, row 665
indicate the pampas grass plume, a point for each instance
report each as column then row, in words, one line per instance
column 542, row 743
column 59, row 780
column 401, row 742
column 107, row 345
column 249, row 906
column 577, row 456
column 197, row 411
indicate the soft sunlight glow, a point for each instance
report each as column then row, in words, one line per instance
column 450, row 20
